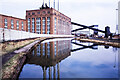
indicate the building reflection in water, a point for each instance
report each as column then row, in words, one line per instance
column 119, row 63
column 48, row 55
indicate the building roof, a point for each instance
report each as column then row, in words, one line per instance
column 46, row 7
column 11, row 17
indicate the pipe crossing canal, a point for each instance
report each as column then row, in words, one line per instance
column 66, row 58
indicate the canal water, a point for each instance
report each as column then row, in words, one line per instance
column 71, row 59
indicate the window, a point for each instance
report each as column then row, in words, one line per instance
column 48, row 12
column 44, row 12
column 28, row 13
column 55, row 50
column 17, row 24
column 38, row 12
column 22, row 26
column 38, row 26
column 59, row 30
column 28, row 24
column 48, row 25
column 33, row 13
column 43, row 20
column 5, row 22
column 38, row 50
column 64, row 27
column 12, row 24
column 43, row 49
column 33, row 25
column 55, row 25
column 48, row 49
column 33, row 52
column 54, row 13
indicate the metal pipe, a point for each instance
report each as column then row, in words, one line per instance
column 85, row 27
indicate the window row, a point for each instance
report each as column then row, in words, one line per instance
column 63, row 22
column 62, row 16
column 12, row 24
column 40, row 50
column 38, row 25
column 44, row 12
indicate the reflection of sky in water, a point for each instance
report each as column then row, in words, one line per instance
column 86, row 63
column 31, row 71
column 90, row 63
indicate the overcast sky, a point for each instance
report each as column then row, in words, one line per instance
column 86, row 12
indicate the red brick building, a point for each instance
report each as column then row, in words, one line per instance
column 42, row 21
column 47, row 21
column 9, row 22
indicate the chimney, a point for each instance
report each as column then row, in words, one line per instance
column 54, row 4
column 43, row 3
column 49, row 3
column 58, row 5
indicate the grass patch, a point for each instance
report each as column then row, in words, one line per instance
column 10, row 67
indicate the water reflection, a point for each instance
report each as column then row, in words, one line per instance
column 48, row 55
column 119, row 62
column 106, row 47
column 61, row 59
column 82, row 46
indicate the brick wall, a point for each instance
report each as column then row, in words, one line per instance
column 9, row 18
column 63, row 23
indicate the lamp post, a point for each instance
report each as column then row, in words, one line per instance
column 116, row 21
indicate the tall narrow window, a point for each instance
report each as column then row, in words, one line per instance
column 33, row 25
column 55, row 50
column 43, row 49
column 5, row 22
column 58, row 26
column 12, row 24
column 48, row 25
column 64, row 26
column 22, row 26
column 48, row 49
column 55, row 25
column 28, row 24
column 38, row 50
column 43, row 20
column 17, row 24
column 38, row 26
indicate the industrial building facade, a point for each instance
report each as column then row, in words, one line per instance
column 47, row 21
column 42, row 21
column 9, row 22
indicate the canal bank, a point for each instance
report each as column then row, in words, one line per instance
column 100, row 42
column 12, row 67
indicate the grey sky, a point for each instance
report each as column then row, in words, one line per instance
column 87, row 12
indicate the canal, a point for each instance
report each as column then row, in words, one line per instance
column 69, row 58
